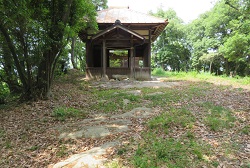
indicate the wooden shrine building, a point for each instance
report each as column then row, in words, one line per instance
column 123, row 44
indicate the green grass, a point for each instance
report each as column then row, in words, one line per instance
column 33, row 148
column 218, row 117
column 62, row 151
column 174, row 118
column 2, row 133
column 113, row 164
column 159, row 72
column 246, row 130
column 62, row 113
column 159, row 149
column 159, row 145
column 112, row 100
column 170, row 152
column 201, row 76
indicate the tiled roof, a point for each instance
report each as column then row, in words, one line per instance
column 126, row 15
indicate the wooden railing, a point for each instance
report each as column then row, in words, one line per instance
column 138, row 73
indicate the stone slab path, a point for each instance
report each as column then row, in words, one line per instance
column 99, row 127
column 124, row 125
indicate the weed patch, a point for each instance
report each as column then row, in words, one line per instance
column 246, row 130
column 2, row 133
column 62, row 113
column 113, row 101
column 170, row 152
column 218, row 117
column 62, row 151
column 174, row 118
column 159, row 72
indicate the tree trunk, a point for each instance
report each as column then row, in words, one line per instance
column 11, row 47
column 45, row 74
column 50, row 57
column 227, row 67
column 10, row 76
column 73, row 53
column 210, row 66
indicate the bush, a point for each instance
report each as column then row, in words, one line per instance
column 4, row 92
column 159, row 72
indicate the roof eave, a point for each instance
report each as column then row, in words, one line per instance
column 115, row 26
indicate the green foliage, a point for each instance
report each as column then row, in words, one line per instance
column 4, row 92
column 159, row 72
column 36, row 36
column 80, row 53
column 62, row 113
column 100, row 4
column 115, row 63
column 236, row 47
column 171, row 48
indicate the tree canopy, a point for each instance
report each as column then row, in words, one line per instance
column 217, row 41
column 33, row 36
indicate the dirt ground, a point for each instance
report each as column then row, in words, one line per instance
column 29, row 134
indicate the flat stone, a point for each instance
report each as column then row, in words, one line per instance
column 72, row 135
column 120, row 121
column 87, row 132
column 118, row 128
column 96, row 132
column 91, row 158
column 140, row 112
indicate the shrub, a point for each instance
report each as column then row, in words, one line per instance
column 4, row 92
column 159, row 72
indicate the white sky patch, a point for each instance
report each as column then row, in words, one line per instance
column 187, row 10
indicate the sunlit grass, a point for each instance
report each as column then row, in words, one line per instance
column 201, row 76
column 62, row 113
column 175, row 117
column 112, row 101
column 218, row 117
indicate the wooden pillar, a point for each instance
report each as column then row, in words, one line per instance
column 149, row 50
column 107, row 56
column 131, row 61
column 88, row 54
column 104, row 58
column 129, row 55
column 149, row 53
column 131, row 58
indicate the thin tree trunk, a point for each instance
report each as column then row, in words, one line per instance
column 14, row 55
column 227, row 67
column 73, row 53
column 9, row 78
column 210, row 66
